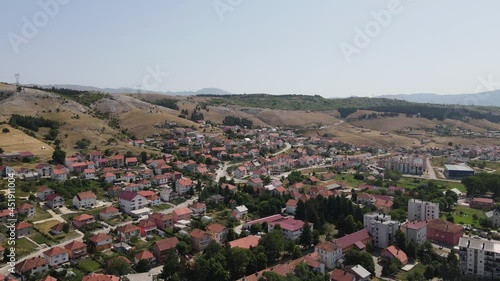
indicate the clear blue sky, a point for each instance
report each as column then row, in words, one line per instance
column 279, row 46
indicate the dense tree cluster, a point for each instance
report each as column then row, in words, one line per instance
column 482, row 183
column 31, row 122
column 236, row 121
column 168, row 103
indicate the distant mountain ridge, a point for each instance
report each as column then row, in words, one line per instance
column 491, row 98
column 204, row 91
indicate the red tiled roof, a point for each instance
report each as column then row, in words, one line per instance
column 85, row 195
column 109, row 209
column 328, row 246
column 144, row 255
column 83, row 217
column 341, row 275
column 100, row 237
column 444, row 226
column 397, row 253
column 166, row 244
column 128, row 228
column 292, row 202
column 128, row 195
column 352, row 238
column 245, row 242
column 414, row 224
column 215, row 227
column 23, row 225
column 198, row 233
column 182, row 211
column 75, row 245
column 100, row 277
column 55, row 251
column 25, row 206
column 29, row 264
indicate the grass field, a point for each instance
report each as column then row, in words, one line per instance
column 24, row 247
column 46, row 226
column 489, row 166
column 88, row 265
column 160, row 207
column 464, row 215
column 40, row 214
column 402, row 275
column 40, row 239
column 17, row 141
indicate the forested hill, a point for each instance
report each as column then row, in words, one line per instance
column 350, row 105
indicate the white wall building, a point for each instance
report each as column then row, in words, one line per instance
column 381, row 227
column 131, row 201
column 479, row 258
column 419, row 210
column 329, row 253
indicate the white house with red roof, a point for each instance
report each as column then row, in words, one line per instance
column 128, row 176
column 329, row 253
column 86, row 199
column 126, row 232
column 165, row 194
column 145, row 255
column 82, row 220
column 291, row 206
column 43, row 191
column 89, row 174
column 32, row 266
column 132, row 201
column 59, row 174
column 198, row 208
column 109, row 213
column 151, row 196
column 240, row 172
column 109, row 177
column 26, row 209
column 43, row 169
column 131, row 161
column 291, row 228
column 56, row 256
column 182, row 214
column 54, row 201
column 183, row 185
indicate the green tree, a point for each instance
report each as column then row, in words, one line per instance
column 238, row 261
column 5, row 130
column 182, row 248
column 365, row 259
column 118, row 266
column 59, row 156
column 172, row 269
column 306, row 237
column 143, row 266
column 274, row 244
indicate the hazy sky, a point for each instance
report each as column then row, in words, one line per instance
column 249, row 46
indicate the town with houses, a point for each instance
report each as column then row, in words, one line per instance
column 253, row 204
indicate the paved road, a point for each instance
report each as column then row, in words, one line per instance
column 431, row 174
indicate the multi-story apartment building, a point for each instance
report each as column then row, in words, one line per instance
column 419, row 210
column 415, row 231
column 381, row 227
column 329, row 253
column 412, row 164
column 479, row 258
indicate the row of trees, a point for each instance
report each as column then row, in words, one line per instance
column 481, row 183
column 31, row 122
column 168, row 103
column 236, row 121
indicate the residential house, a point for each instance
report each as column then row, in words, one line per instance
column 200, row 239
column 248, row 242
column 145, row 255
column 422, row 210
column 291, row 206
column 393, row 252
column 182, row 214
column 131, row 201
column 384, row 206
column 290, row 228
column 147, row 226
column 89, row 174
column 359, row 240
column 76, row 249
column 183, row 185
column 100, row 277
column 360, row 272
column 59, row 174
column 126, row 232
column 329, row 253
column 31, row 266
column 43, row 169
column 240, row 212
column 43, row 191
column 161, row 248
column 109, row 213
column 482, row 203
column 100, row 242
column 23, row 229
column 57, row 229
column 56, row 256
column 162, row 220
column 218, row 232
column 85, row 199
column 365, row 199
column 165, row 194
column 151, row 197
column 494, row 216
column 26, row 209
column 240, row 172
column 109, row 177
column 83, row 219
column 341, row 275
column 198, row 208
column 54, row 201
